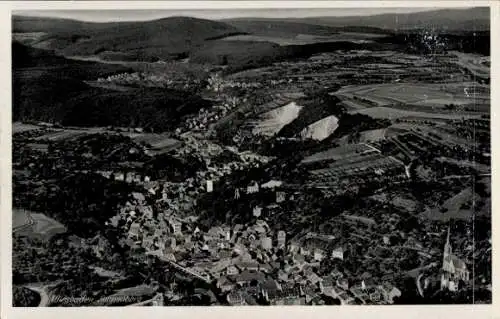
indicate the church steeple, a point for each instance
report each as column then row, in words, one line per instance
column 447, row 247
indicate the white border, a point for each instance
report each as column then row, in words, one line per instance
column 385, row 312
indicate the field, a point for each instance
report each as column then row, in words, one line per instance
column 390, row 113
column 39, row 225
column 61, row 135
column 19, row 127
column 363, row 164
column 398, row 201
column 369, row 136
column 302, row 39
column 158, row 142
column 414, row 94
column 136, row 291
column 27, row 37
column 456, row 207
column 339, row 153
column 478, row 65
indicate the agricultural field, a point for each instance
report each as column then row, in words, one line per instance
column 19, row 127
column 369, row 136
column 391, row 113
column 414, row 94
column 302, row 39
column 478, row 65
column 35, row 224
column 375, row 163
column 339, row 153
column 19, row 218
column 398, row 201
column 459, row 206
column 61, row 135
column 159, row 143
column 27, row 37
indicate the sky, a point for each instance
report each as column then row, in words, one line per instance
column 143, row 15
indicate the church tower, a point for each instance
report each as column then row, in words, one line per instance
column 447, row 247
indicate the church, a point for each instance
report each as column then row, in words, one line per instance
column 454, row 269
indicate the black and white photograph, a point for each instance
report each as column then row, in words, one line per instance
column 251, row 157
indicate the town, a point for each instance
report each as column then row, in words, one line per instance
column 350, row 177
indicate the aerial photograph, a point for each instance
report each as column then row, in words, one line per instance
column 240, row 157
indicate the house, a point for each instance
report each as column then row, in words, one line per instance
column 235, row 299
column 281, row 239
column 294, row 247
column 282, row 275
column 119, row 176
column 245, row 277
column 313, row 278
column 389, row 292
column 326, row 285
column 272, row 184
column 269, row 286
column 253, row 188
column 267, row 268
column 134, row 231
column 375, row 295
column 335, row 274
column 298, row 259
column 115, row 220
column 148, row 242
column 247, row 265
column 232, row 270
column 280, row 197
column 319, row 254
column 338, row 253
column 225, row 284
column 170, row 257
column 345, row 298
column 257, row 211
column 266, row 243
column 386, row 240
column 176, row 226
column 342, row 283
column 146, row 211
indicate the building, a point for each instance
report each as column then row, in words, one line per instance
column 266, row 243
column 454, row 269
column 253, row 188
column 338, row 253
column 257, row 211
column 281, row 239
column 319, row 254
column 210, row 186
column 272, row 184
column 176, row 226
column 280, row 197
column 232, row 270
column 134, row 231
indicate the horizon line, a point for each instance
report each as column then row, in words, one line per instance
column 144, row 15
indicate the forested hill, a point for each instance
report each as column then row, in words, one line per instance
column 51, row 88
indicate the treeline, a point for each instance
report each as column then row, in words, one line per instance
column 51, row 89
column 174, row 169
column 82, row 202
column 242, row 55
column 153, row 109
column 468, row 42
